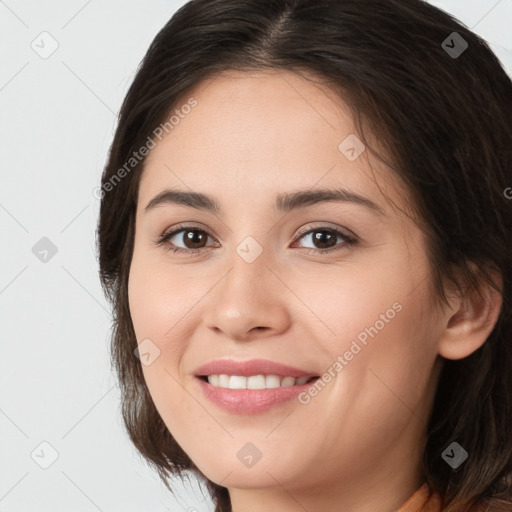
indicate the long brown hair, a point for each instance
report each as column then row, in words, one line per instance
column 442, row 109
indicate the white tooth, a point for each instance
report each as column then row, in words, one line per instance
column 256, row 382
column 224, row 381
column 288, row 381
column 213, row 380
column 237, row 382
column 272, row 381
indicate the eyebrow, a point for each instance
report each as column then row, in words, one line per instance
column 284, row 202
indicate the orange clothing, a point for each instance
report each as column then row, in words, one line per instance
column 424, row 500
column 423, row 497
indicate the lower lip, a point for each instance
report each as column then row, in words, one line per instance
column 250, row 401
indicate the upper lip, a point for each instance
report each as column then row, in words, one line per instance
column 251, row 367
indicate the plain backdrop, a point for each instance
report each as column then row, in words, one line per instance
column 59, row 402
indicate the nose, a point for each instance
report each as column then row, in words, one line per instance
column 249, row 302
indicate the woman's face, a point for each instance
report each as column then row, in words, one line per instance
column 251, row 283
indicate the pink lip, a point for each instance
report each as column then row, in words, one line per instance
column 251, row 367
column 250, row 401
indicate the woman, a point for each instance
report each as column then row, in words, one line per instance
column 306, row 235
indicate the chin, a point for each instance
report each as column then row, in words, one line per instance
column 246, row 478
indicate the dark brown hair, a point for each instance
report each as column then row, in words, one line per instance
column 444, row 121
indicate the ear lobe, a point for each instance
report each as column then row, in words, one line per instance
column 471, row 320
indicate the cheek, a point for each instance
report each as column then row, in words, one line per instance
column 157, row 299
column 378, row 322
column 397, row 356
column 348, row 303
column 157, row 304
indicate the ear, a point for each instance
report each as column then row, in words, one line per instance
column 470, row 319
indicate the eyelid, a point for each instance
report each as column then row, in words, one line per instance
column 169, row 233
column 325, row 226
column 349, row 237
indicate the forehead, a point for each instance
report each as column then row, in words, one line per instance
column 260, row 131
column 245, row 112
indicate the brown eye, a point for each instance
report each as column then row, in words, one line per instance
column 194, row 238
column 185, row 239
column 324, row 239
column 189, row 239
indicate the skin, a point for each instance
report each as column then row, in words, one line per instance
column 357, row 445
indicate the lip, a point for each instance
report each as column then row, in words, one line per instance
column 251, row 367
column 250, row 401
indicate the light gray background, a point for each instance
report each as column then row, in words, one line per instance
column 57, row 119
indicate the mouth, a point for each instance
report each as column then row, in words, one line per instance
column 250, row 387
column 251, row 368
column 255, row 381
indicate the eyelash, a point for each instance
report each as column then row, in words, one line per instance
column 348, row 239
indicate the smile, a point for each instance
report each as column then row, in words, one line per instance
column 254, row 381
column 251, row 386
